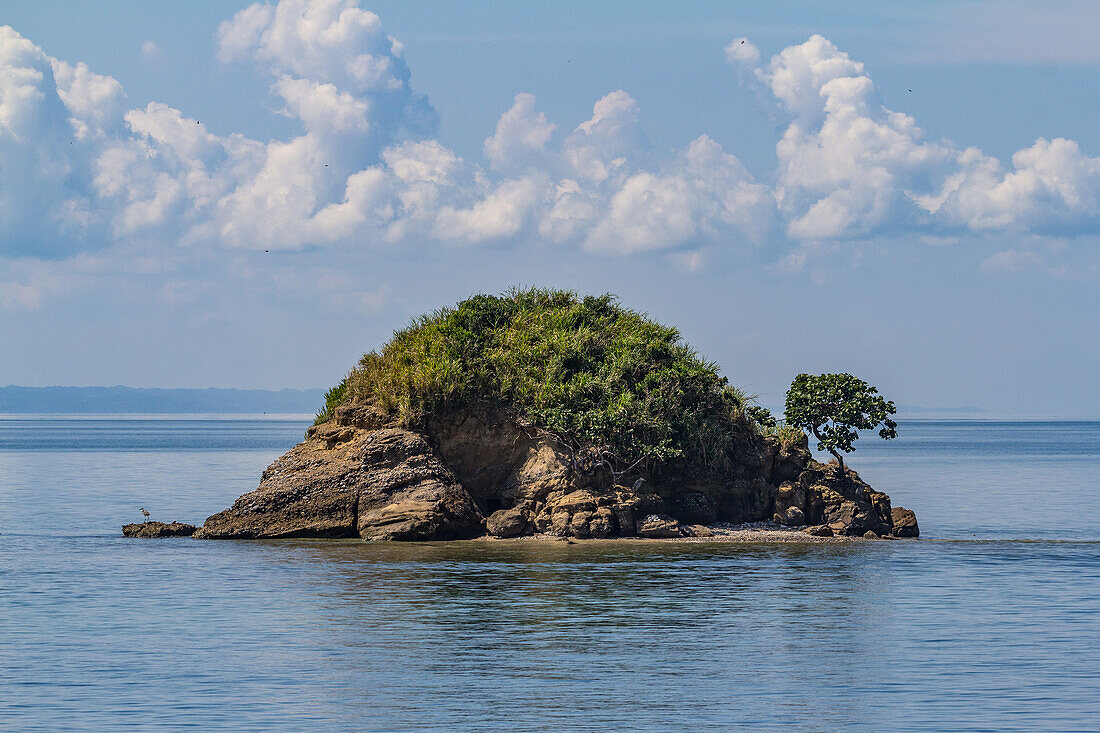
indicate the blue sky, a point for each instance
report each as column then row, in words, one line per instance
column 222, row 194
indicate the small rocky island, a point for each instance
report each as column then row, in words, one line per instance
column 543, row 412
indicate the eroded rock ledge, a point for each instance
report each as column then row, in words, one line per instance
column 467, row 474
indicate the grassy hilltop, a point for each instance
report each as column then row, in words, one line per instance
column 602, row 378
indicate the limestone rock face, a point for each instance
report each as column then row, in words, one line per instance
column 694, row 507
column 499, row 461
column 464, row 473
column 581, row 513
column 158, row 529
column 841, row 501
column 406, row 493
column 743, row 500
column 311, row 491
column 786, row 461
column 378, row 481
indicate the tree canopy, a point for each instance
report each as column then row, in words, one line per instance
column 607, row 381
column 834, row 408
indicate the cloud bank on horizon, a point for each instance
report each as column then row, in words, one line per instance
column 80, row 172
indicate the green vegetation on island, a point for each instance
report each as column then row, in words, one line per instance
column 602, row 378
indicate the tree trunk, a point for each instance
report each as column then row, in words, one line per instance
column 840, row 461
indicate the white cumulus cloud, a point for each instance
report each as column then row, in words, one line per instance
column 849, row 167
column 1053, row 185
column 521, row 132
column 81, row 169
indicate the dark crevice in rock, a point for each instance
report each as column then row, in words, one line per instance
column 354, row 529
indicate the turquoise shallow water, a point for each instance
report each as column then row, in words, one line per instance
column 992, row 622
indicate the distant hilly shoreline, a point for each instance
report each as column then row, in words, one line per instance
column 119, row 399
column 150, row 400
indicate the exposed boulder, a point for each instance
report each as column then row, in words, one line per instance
column 793, row 517
column 508, row 522
column 819, row 530
column 842, row 516
column 791, row 504
column 158, row 529
column 696, row 530
column 576, row 502
column 657, row 526
column 624, row 518
column 904, row 522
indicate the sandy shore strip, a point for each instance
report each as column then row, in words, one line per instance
column 751, row 532
column 754, row 532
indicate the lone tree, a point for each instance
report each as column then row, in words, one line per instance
column 834, row 408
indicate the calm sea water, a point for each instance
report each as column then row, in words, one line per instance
column 990, row 622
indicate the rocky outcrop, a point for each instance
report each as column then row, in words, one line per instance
column 357, row 476
column 592, row 513
column 658, row 526
column 904, row 522
column 158, row 529
column 463, row 474
column 840, row 501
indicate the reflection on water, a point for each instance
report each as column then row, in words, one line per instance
column 103, row 633
column 108, row 633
